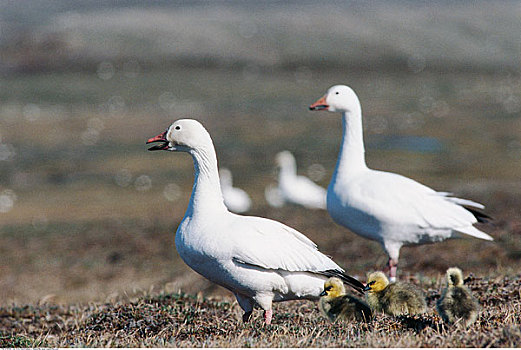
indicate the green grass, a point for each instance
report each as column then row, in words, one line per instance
column 15, row 341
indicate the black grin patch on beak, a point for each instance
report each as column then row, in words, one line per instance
column 368, row 286
column 159, row 147
column 160, row 142
column 318, row 108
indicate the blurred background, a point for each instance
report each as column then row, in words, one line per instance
column 86, row 213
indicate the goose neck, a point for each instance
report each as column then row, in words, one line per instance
column 225, row 179
column 206, row 192
column 352, row 152
column 288, row 170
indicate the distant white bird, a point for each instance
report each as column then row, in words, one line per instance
column 389, row 208
column 296, row 189
column 259, row 260
column 273, row 196
column 235, row 199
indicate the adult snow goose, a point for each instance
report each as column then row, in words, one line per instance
column 389, row 208
column 259, row 260
column 235, row 199
column 298, row 189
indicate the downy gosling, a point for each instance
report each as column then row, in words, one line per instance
column 394, row 299
column 335, row 304
column 456, row 301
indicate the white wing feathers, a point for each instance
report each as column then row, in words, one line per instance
column 271, row 245
column 472, row 231
column 461, row 201
column 402, row 201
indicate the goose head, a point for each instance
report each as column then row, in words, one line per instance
column 184, row 135
column 225, row 176
column 339, row 98
column 285, row 159
column 333, row 288
column 376, row 282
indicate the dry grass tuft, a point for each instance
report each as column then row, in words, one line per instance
column 182, row 320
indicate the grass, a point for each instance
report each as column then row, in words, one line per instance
column 180, row 320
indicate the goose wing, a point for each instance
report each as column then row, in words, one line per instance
column 398, row 200
column 272, row 245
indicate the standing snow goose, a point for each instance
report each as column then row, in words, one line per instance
column 389, row 208
column 235, row 199
column 298, row 189
column 259, row 260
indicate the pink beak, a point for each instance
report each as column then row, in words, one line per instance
column 158, row 138
column 320, row 105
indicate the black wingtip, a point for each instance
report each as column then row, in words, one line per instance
column 481, row 217
column 353, row 282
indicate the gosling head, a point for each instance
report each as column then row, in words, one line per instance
column 339, row 98
column 376, row 282
column 454, row 277
column 183, row 135
column 333, row 288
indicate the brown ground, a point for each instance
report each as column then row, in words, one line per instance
column 180, row 320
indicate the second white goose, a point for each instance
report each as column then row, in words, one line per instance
column 389, row 208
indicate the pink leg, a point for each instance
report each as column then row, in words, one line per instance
column 268, row 314
column 392, row 266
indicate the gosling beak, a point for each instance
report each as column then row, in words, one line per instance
column 323, row 294
column 159, row 138
column 367, row 287
column 320, row 105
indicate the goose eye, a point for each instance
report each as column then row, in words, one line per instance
column 336, row 93
column 178, row 127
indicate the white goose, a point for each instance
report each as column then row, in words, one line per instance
column 298, row 189
column 389, row 208
column 259, row 260
column 235, row 199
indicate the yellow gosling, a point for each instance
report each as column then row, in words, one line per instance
column 335, row 304
column 394, row 299
column 456, row 302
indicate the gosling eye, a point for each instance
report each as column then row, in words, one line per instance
column 371, row 283
column 328, row 288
